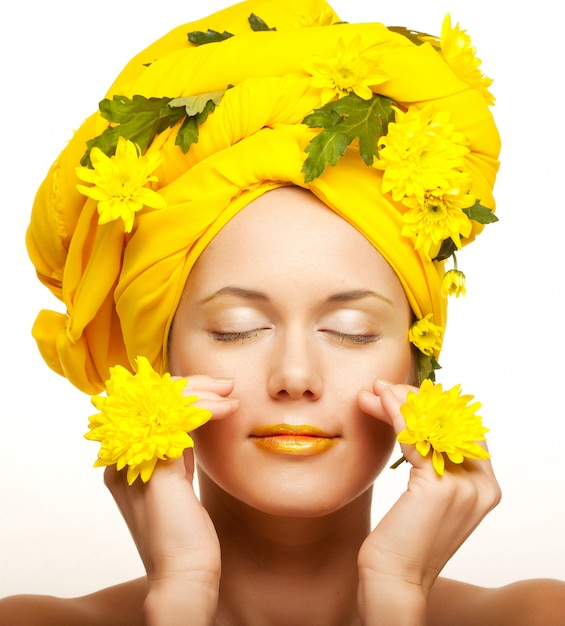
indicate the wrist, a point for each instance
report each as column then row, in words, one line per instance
column 389, row 601
column 180, row 602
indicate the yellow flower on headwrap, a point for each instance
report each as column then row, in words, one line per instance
column 421, row 151
column 426, row 336
column 327, row 17
column 460, row 55
column 444, row 423
column 120, row 182
column 145, row 417
column 436, row 216
column 350, row 71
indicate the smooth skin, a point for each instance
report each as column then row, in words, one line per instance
column 291, row 317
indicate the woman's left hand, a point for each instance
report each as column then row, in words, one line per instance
column 402, row 557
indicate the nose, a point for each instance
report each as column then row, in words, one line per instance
column 295, row 368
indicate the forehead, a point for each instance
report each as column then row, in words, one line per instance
column 289, row 237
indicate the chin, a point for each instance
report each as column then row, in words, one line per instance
column 307, row 506
column 294, row 491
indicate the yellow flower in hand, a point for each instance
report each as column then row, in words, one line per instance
column 443, row 423
column 426, row 336
column 460, row 55
column 351, row 70
column 120, row 182
column 145, row 417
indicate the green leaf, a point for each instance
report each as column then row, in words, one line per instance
column 193, row 105
column 257, row 24
column 141, row 119
column 447, row 248
column 344, row 121
column 188, row 132
column 138, row 119
column 480, row 214
column 326, row 117
column 200, row 37
column 427, row 366
column 120, row 109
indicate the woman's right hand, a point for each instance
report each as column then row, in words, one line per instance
column 173, row 532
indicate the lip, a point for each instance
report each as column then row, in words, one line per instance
column 287, row 439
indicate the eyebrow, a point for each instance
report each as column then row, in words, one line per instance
column 358, row 294
column 252, row 294
column 240, row 292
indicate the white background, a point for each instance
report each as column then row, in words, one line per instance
column 59, row 530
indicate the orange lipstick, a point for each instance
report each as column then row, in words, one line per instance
column 286, row 439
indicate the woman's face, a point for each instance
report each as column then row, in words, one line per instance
column 302, row 312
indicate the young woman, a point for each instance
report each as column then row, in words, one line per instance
column 269, row 216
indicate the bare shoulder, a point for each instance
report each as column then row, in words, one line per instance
column 120, row 605
column 535, row 602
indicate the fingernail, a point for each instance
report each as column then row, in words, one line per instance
column 225, row 380
column 383, row 383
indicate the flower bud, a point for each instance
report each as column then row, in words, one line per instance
column 453, row 283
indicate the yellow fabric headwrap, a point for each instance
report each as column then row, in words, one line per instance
column 121, row 289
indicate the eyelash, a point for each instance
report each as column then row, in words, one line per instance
column 235, row 337
column 242, row 336
column 357, row 339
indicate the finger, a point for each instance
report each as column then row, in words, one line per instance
column 113, row 479
column 211, row 394
column 219, row 407
column 392, row 398
column 188, row 458
column 116, row 480
column 181, row 469
column 371, row 404
column 199, row 382
column 384, row 402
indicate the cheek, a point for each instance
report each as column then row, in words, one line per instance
column 215, row 446
column 377, row 444
column 190, row 353
column 394, row 361
column 399, row 364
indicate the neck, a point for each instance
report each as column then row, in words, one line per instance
column 282, row 570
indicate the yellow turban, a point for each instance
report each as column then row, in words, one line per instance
column 121, row 289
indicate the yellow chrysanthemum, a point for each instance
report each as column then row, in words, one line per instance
column 436, row 216
column 350, row 71
column 144, row 417
column 443, row 422
column 460, row 55
column 120, row 182
column 426, row 336
column 453, row 284
column 421, row 151
column 326, row 17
